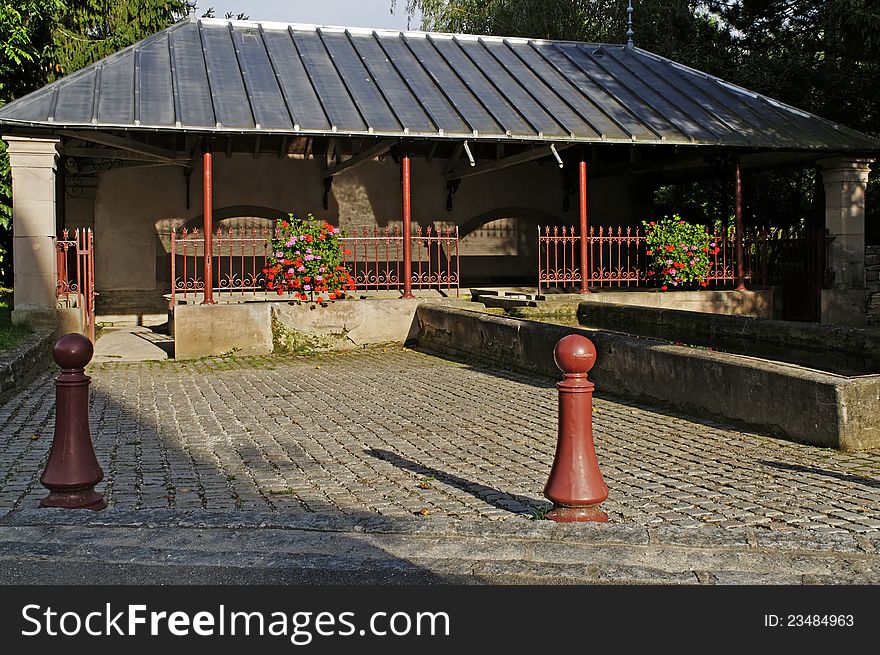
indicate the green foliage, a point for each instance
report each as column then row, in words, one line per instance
column 680, row 252
column 10, row 335
column 25, row 26
column 87, row 30
column 818, row 55
column 306, row 261
column 42, row 40
column 673, row 28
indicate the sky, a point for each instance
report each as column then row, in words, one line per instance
column 350, row 13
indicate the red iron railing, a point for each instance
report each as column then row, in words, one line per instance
column 373, row 256
column 618, row 256
column 75, row 272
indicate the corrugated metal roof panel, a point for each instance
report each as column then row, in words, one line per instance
column 214, row 75
column 331, row 90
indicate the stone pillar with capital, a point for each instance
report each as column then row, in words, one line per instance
column 845, row 180
column 33, row 162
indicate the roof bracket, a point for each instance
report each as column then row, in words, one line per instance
column 556, row 155
column 470, row 155
column 533, row 154
column 359, row 159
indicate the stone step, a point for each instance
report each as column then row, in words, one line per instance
column 513, row 551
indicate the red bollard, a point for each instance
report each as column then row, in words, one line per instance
column 575, row 486
column 72, row 470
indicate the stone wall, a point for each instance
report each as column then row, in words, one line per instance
column 19, row 365
column 872, row 282
column 797, row 403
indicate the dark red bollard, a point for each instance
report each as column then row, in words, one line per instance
column 72, row 470
column 575, row 486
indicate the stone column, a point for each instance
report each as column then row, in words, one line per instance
column 845, row 181
column 33, row 163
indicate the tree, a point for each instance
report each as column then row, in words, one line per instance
column 25, row 26
column 819, row 55
column 88, row 30
column 42, row 40
column 673, row 28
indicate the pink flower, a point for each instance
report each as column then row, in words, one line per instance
column 307, row 287
column 669, row 262
column 279, row 254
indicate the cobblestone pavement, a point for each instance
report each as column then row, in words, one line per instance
column 401, row 433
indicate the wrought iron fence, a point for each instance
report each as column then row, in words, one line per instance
column 617, row 256
column 372, row 255
column 75, row 274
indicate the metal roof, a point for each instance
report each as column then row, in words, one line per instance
column 212, row 75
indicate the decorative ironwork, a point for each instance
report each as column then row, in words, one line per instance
column 617, row 256
column 373, row 256
column 75, row 274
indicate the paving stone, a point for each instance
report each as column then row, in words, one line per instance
column 361, row 433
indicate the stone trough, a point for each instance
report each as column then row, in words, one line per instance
column 798, row 403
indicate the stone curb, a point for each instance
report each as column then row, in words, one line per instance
column 591, row 533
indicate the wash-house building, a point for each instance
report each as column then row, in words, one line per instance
column 224, row 124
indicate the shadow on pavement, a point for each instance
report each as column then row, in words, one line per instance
column 513, row 503
column 815, row 470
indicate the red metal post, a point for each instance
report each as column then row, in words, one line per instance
column 208, row 172
column 575, row 485
column 583, row 227
column 740, row 250
column 72, row 470
column 407, row 229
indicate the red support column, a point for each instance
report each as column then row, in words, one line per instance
column 407, row 229
column 208, row 171
column 740, row 250
column 584, row 226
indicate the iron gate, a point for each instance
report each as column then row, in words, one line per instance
column 75, row 267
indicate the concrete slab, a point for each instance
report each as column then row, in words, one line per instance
column 131, row 344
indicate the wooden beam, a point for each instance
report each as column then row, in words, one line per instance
column 499, row 164
column 432, row 151
column 359, row 159
column 108, row 153
column 456, row 153
column 131, row 145
column 331, row 151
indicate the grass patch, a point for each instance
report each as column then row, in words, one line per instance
column 10, row 335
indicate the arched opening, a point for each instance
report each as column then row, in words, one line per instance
column 500, row 247
column 245, row 217
column 239, row 216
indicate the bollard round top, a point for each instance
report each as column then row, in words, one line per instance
column 575, row 354
column 73, row 351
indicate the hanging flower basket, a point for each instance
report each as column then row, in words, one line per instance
column 306, row 261
column 679, row 252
